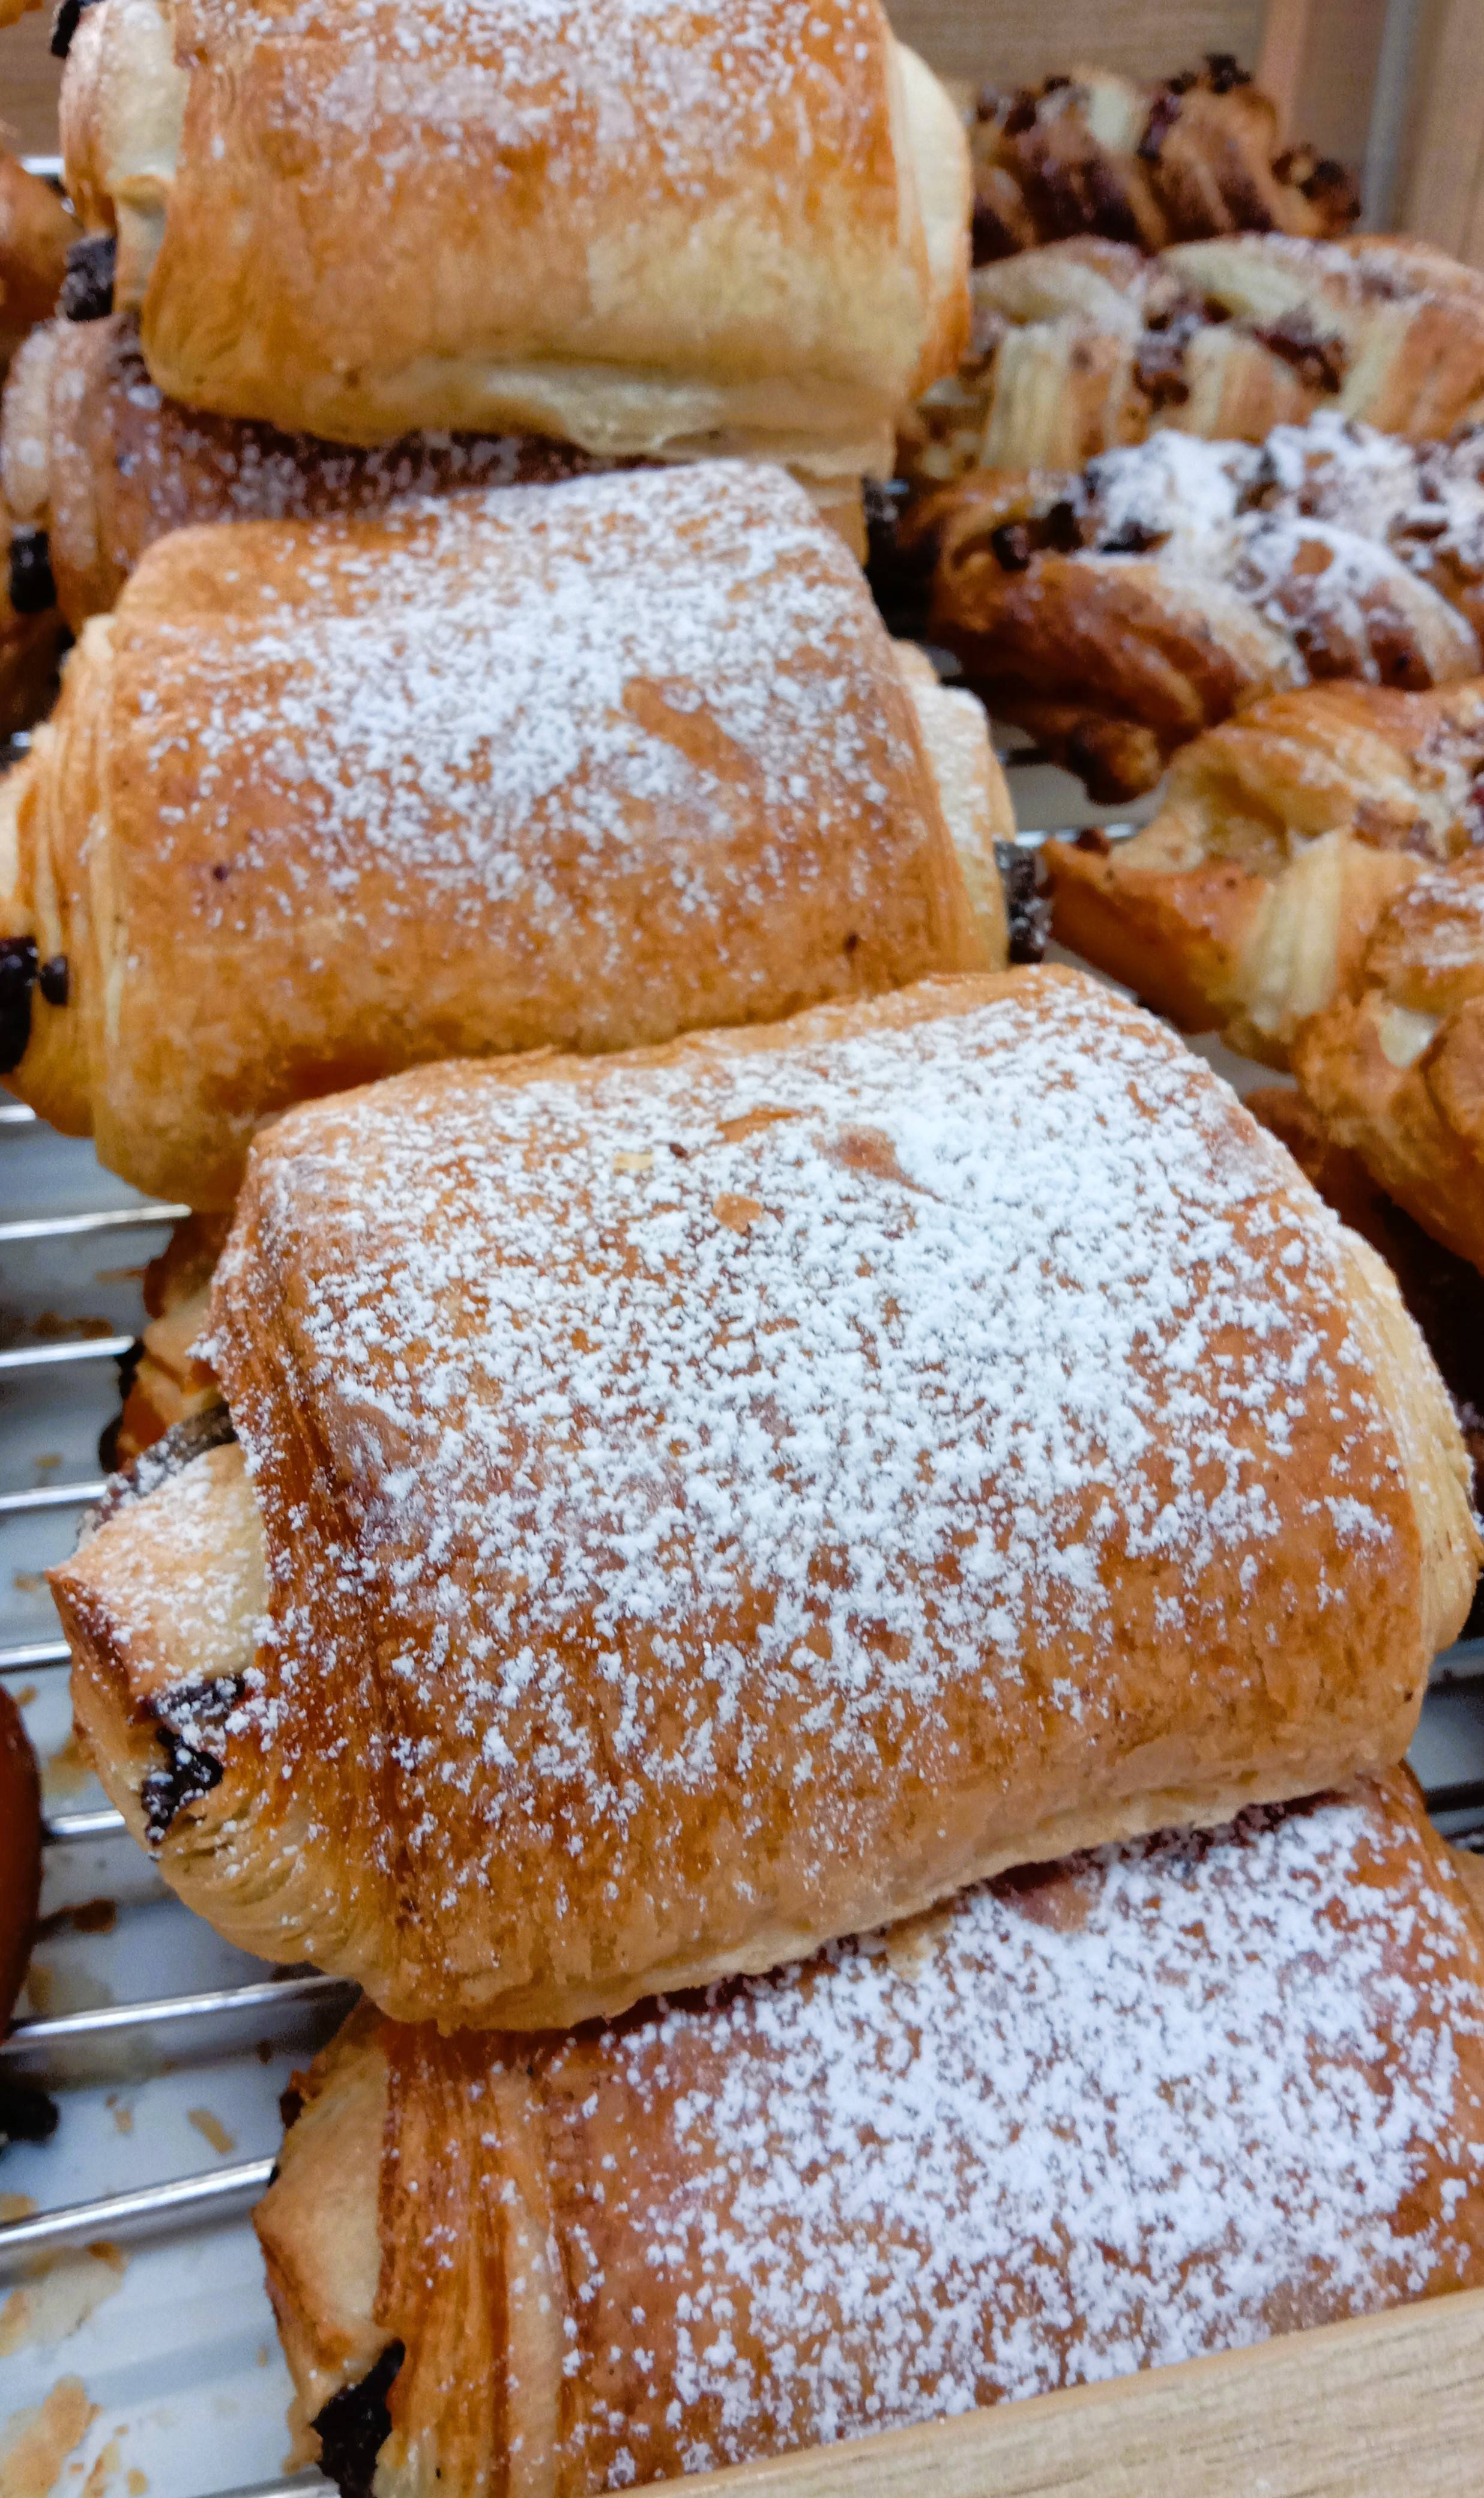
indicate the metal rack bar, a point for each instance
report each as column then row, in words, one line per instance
column 71, row 1829
column 72, row 1226
column 79, row 1496
column 17, row 1115
column 302, row 2485
column 216, row 2193
column 36, row 2044
column 26, row 1653
column 86, row 1348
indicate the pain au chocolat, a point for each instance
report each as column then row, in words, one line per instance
column 648, row 230
column 690, row 1505
column 579, row 765
column 1173, row 2097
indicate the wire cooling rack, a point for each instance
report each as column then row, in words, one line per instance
column 135, row 2341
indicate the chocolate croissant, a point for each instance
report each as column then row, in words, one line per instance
column 1079, row 346
column 579, row 765
column 737, row 227
column 1094, row 154
column 1117, row 612
column 1170, row 2099
column 1249, row 903
column 692, row 1505
column 1395, row 1065
column 36, row 228
column 100, row 462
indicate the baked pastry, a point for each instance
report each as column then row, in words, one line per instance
column 1094, row 154
column 1444, row 1294
column 582, row 765
column 1247, row 903
column 740, row 1493
column 92, row 454
column 168, row 1384
column 1099, row 2118
column 739, row 229
column 36, row 228
column 1082, row 346
column 1395, row 1065
column 1117, row 612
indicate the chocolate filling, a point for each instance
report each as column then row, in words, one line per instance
column 355, row 2425
column 54, row 980
column 190, row 1773
column 26, row 2114
column 1026, row 908
column 17, row 980
column 87, row 289
column 1319, row 360
column 32, row 588
column 64, row 25
column 900, row 576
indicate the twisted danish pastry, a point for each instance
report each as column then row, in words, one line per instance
column 693, row 1504
column 1174, row 2098
column 583, row 764
column 1117, row 612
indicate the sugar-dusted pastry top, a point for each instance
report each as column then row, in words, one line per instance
column 717, row 1498
column 631, row 223
column 1168, row 2098
column 581, row 764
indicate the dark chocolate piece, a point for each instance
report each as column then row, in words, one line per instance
column 1026, row 908
column 1319, row 359
column 1224, row 72
column 355, row 2425
column 32, row 588
column 87, row 289
column 901, row 577
column 64, row 25
column 1165, row 113
column 27, row 2114
column 17, row 980
column 190, row 1773
column 54, row 980
column 1012, row 546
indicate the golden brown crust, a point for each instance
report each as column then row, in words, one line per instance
column 590, row 1836
column 170, row 1384
column 1249, row 903
column 1096, row 154
column 1174, row 580
column 1395, row 1067
column 751, row 241
column 35, row 230
column 20, row 1853
column 871, row 2192
column 739, row 812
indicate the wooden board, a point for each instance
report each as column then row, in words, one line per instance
column 1388, row 2407
column 29, row 80
column 1015, row 41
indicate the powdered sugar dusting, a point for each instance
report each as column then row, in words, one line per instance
column 784, row 1419
column 1168, row 2100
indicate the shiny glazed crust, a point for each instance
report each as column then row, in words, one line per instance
column 684, row 2241
column 1249, row 903
column 791, row 810
column 771, row 258
column 566, row 1882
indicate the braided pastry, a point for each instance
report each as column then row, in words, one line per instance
column 1395, row 1067
column 1249, row 903
column 1093, row 153
column 1171, row 2099
column 1082, row 345
column 1117, row 612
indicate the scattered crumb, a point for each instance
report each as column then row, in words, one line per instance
column 35, row 2443
column 88, row 1918
column 17, row 2207
column 262, row 2354
column 26, row 1695
column 28, row 1583
column 52, row 1990
column 59, row 2293
column 51, row 1326
column 212, row 2128
column 69, row 1767
column 47, row 1463
column 265, row 2051
column 136, row 2481
column 123, row 2114
column 106, row 2464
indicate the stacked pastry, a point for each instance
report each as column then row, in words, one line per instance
column 1118, row 612
column 674, row 1511
column 1082, row 346
column 335, row 259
